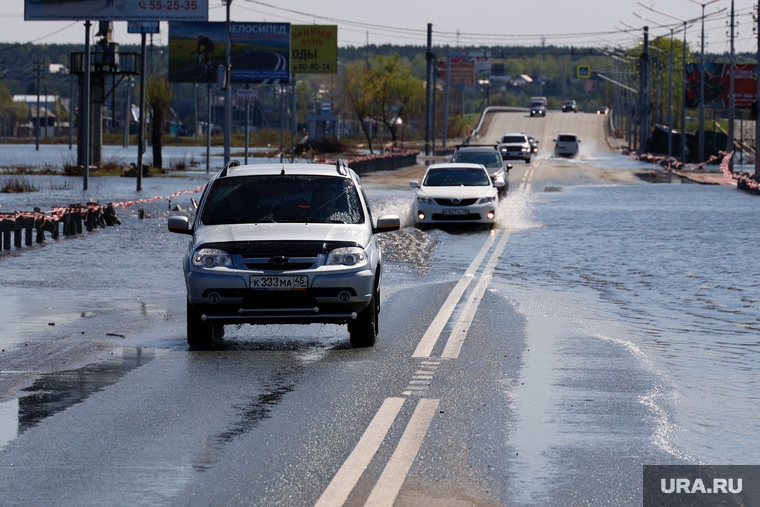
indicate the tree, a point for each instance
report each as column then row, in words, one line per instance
column 158, row 95
column 356, row 84
column 396, row 93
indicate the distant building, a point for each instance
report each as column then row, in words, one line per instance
column 48, row 120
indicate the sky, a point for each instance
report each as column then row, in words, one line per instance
column 586, row 23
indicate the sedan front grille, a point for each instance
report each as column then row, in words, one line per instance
column 461, row 202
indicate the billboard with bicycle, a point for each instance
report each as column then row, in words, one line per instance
column 260, row 52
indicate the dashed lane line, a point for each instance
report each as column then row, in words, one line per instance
column 349, row 474
column 387, row 487
column 429, row 339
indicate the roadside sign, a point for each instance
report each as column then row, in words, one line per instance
column 462, row 73
column 247, row 94
column 79, row 10
column 584, row 71
column 314, row 49
column 143, row 27
column 326, row 107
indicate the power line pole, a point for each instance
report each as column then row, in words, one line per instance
column 428, row 88
column 731, row 101
column 38, row 66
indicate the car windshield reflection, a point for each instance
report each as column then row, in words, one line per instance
column 456, row 178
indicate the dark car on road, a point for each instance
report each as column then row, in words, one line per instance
column 569, row 106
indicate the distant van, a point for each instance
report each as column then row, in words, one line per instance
column 538, row 106
column 566, row 145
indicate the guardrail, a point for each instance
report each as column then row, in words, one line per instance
column 380, row 162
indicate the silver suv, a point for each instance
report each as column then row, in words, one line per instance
column 283, row 244
column 515, row 145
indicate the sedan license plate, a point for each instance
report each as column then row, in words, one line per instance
column 458, row 211
column 279, row 282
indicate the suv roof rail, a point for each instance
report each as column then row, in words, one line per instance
column 341, row 167
column 228, row 166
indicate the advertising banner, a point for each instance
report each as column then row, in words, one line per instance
column 718, row 84
column 314, row 49
column 116, row 10
column 260, row 52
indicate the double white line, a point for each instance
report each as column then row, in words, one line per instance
column 394, row 474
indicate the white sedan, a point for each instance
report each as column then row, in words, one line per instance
column 456, row 193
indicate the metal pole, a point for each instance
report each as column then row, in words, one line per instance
column 757, row 121
column 71, row 115
column 127, row 94
column 702, row 95
column 683, row 96
column 446, row 101
column 141, row 127
column 428, row 85
column 670, row 97
column 38, row 72
column 85, row 113
column 731, row 98
column 228, row 91
column 294, row 122
column 644, row 95
column 208, row 129
column 247, row 116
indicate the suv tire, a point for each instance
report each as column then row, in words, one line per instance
column 364, row 329
column 200, row 335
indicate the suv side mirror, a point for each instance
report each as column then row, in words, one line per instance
column 387, row 223
column 180, row 225
column 414, row 184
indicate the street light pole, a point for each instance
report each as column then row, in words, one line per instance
column 701, row 157
column 228, row 91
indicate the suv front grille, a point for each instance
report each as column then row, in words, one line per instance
column 280, row 263
column 449, row 202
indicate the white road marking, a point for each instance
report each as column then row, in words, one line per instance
column 395, row 472
column 345, row 480
column 459, row 332
column 429, row 339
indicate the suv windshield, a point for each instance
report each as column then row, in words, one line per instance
column 282, row 198
column 514, row 139
column 456, row 177
column 487, row 158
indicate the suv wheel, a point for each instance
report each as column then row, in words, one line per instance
column 364, row 329
column 200, row 335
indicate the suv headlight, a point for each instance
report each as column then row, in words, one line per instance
column 212, row 258
column 346, row 256
column 486, row 200
column 424, row 199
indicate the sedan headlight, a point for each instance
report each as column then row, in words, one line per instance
column 347, row 256
column 424, row 199
column 487, row 200
column 212, row 258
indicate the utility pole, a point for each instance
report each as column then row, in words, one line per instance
column 141, row 127
column 757, row 123
column 731, row 100
column 701, row 156
column 428, row 88
column 84, row 117
column 228, row 90
column 38, row 66
column 644, row 95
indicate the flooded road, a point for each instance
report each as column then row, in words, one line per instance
column 617, row 327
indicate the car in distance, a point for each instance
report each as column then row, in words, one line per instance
column 603, row 110
column 489, row 156
column 538, row 106
column 566, row 145
column 533, row 144
column 515, row 145
column 283, row 244
column 569, row 106
column 456, row 193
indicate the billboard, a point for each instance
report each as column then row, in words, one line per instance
column 116, row 10
column 260, row 52
column 314, row 49
column 718, row 84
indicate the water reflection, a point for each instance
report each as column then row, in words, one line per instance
column 55, row 392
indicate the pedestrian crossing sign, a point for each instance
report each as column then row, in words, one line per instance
column 584, row 71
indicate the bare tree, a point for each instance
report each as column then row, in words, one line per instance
column 158, row 94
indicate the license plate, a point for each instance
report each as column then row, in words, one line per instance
column 458, row 211
column 279, row 282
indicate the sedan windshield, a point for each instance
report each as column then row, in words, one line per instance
column 282, row 198
column 463, row 177
column 486, row 158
